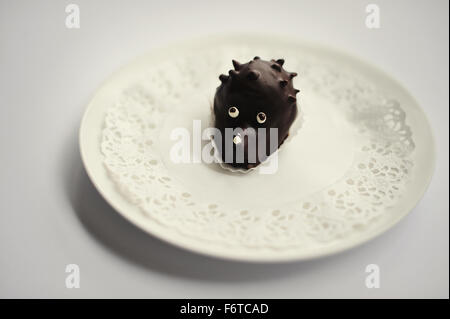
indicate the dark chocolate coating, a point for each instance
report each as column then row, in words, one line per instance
column 254, row 87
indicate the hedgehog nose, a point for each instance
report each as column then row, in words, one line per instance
column 242, row 138
column 237, row 139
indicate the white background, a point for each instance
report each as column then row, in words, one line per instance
column 51, row 216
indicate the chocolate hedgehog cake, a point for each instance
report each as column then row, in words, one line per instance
column 252, row 100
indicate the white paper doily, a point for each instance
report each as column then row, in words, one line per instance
column 361, row 161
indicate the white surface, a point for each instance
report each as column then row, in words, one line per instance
column 51, row 216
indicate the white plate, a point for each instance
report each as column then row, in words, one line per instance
column 362, row 159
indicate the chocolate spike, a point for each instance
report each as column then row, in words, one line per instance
column 256, row 58
column 291, row 98
column 296, row 91
column 280, row 62
column 237, row 65
column 293, row 75
column 253, row 75
column 283, row 83
column 224, row 78
column 276, row 67
column 233, row 73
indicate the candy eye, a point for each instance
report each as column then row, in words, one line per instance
column 261, row 117
column 233, row 112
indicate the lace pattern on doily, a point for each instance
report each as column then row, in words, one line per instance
column 354, row 203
